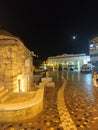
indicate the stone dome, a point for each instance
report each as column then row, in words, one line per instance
column 5, row 33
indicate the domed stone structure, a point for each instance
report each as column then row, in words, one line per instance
column 5, row 33
column 15, row 63
column 17, row 102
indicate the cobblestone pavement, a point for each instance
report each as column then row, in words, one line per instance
column 69, row 106
column 48, row 119
column 82, row 103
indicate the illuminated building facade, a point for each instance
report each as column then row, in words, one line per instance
column 93, row 51
column 67, row 62
column 15, row 63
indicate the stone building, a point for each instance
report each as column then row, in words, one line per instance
column 15, row 63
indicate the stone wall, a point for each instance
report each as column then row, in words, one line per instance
column 15, row 65
column 23, row 110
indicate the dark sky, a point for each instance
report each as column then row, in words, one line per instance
column 47, row 27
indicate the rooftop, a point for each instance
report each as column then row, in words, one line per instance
column 5, row 33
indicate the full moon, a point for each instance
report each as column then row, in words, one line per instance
column 74, row 37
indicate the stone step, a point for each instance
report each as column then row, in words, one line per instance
column 49, row 79
column 1, row 89
column 4, row 98
column 3, row 93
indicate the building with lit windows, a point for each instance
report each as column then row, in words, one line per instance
column 67, row 62
column 93, row 51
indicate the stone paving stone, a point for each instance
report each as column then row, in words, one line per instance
column 81, row 104
column 82, row 108
column 47, row 119
column 12, row 128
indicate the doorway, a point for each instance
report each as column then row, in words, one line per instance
column 19, row 89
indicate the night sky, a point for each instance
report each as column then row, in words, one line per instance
column 47, row 27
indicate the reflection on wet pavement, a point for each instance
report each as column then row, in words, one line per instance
column 80, row 98
column 82, row 102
